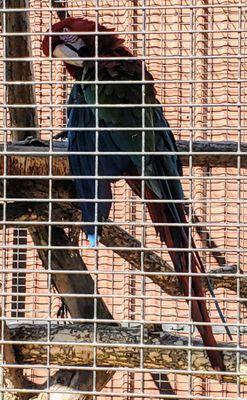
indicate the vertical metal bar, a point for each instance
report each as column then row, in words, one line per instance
column 239, row 217
column 143, row 182
column 133, row 205
column 144, row 149
column 132, row 287
column 96, row 230
column 192, row 53
column 49, row 236
column 4, row 233
column 200, row 188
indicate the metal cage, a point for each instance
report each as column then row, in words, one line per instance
column 110, row 322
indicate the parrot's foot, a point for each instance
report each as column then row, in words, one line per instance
column 61, row 135
column 32, row 141
column 93, row 240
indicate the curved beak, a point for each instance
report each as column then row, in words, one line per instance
column 70, row 51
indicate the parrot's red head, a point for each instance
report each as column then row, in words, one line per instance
column 73, row 45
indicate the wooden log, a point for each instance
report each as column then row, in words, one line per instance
column 20, row 47
column 213, row 154
column 115, row 236
column 72, row 345
column 19, row 164
column 79, row 307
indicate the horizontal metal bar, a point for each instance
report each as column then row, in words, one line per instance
column 137, row 200
column 236, row 30
column 128, row 105
column 222, row 178
column 125, row 272
column 140, row 58
column 129, row 224
column 126, row 296
column 142, row 323
column 179, row 327
column 142, row 7
column 127, row 345
column 130, row 128
column 117, row 82
column 118, row 394
column 232, row 249
column 126, row 369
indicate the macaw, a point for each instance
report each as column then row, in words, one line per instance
column 114, row 119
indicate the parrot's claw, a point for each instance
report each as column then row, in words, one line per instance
column 61, row 135
column 32, row 141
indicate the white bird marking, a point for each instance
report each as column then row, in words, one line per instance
column 68, row 38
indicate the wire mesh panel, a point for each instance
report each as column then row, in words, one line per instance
column 116, row 281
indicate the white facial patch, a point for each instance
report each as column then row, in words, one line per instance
column 69, row 38
column 70, row 51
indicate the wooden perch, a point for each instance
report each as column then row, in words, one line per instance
column 204, row 148
column 115, row 236
column 163, row 357
column 39, row 165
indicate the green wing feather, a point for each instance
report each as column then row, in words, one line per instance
column 123, row 117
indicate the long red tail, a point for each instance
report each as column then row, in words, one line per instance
column 160, row 213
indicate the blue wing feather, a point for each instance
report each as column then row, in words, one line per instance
column 85, row 165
